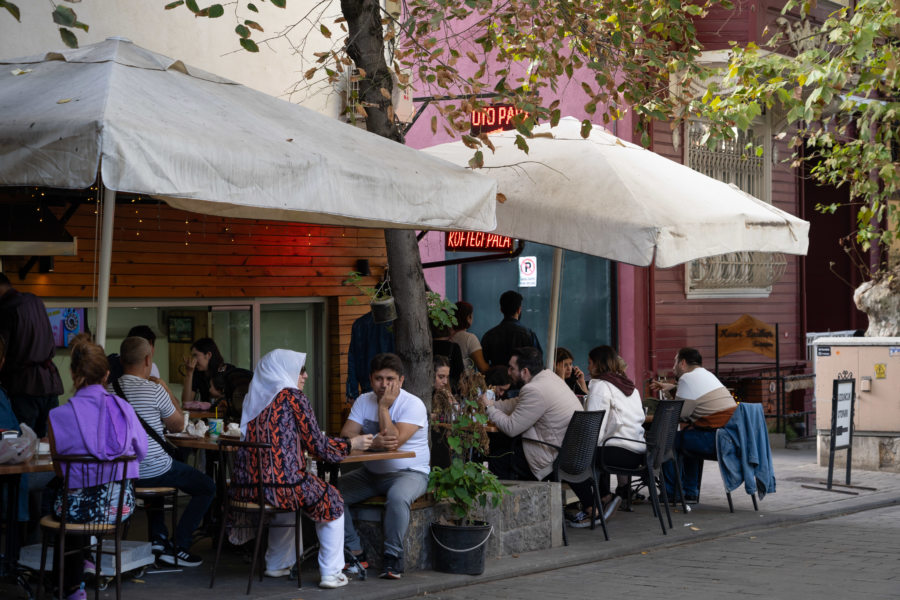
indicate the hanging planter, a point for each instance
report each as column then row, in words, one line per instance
column 384, row 310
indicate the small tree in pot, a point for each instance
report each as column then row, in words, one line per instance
column 467, row 484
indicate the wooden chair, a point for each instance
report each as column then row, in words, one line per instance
column 94, row 472
column 257, row 508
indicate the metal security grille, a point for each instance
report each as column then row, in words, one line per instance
column 744, row 274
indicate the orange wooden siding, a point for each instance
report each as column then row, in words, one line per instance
column 160, row 252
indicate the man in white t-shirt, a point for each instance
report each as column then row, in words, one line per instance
column 708, row 405
column 157, row 406
column 399, row 421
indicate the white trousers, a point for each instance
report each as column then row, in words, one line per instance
column 281, row 554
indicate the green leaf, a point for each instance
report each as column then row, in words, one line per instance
column 586, row 127
column 63, row 15
column 80, row 25
column 192, row 6
column 68, row 37
column 216, row 11
column 252, row 7
column 13, row 10
column 521, row 144
column 325, row 31
column 175, row 4
column 242, row 31
column 477, row 161
column 280, row 3
column 249, row 45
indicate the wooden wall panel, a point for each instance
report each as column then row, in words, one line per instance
column 683, row 322
column 160, row 252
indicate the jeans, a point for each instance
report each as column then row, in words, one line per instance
column 201, row 488
column 696, row 441
column 401, row 489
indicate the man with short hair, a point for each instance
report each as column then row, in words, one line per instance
column 498, row 343
column 29, row 375
column 708, row 405
column 399, row 421
column 542, row 412
column 155, row 404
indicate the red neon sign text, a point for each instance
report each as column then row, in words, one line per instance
column 476, row 240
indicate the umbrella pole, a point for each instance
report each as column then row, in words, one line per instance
column 106, row 235
column 553, row 326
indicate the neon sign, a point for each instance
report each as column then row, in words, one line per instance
column 498, row 117
column 473, row 241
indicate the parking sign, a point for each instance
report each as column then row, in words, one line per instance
column 527, row 271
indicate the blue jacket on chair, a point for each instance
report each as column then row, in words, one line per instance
column 744, row 453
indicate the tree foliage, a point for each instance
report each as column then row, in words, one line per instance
column 838, row 98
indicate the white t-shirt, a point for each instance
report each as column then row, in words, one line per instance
column 406, row 409
column 696, row 383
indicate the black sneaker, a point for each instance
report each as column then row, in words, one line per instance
column 183, row 558
column 391, row 568
column 159, row 546
column 688, row 499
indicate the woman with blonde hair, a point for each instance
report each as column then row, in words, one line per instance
column 611, row 390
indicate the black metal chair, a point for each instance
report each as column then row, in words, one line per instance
column 92, row 472
column 258, row 508
column 575, row 460
column 660, row 444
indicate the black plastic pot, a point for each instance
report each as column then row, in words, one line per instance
column 384, row 311
column 460, row 549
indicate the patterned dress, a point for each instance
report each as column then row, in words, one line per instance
column 288, row 423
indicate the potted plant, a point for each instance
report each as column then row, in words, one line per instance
column 460, row 544
column 384, row 309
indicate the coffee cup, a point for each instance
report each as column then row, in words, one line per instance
column 187, row 420
column 216, row 426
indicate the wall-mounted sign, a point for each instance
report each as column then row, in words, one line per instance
column 498, row 117
column 894, row 351
column 527, row 271
column 476, row 241
column 880, row 370
column 823, row 350
column 747, row 333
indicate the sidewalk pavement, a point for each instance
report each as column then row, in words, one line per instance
column 630, row 533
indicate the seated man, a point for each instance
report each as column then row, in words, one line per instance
column 542, row 411
column 708, row 405
column 156, row 406
column 399, row 421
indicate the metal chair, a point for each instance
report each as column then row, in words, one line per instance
column 159, row 499
column 256, row 507
column 660, row 443
column 93, row 472
column 575, row 460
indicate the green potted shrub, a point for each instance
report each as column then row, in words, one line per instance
column 460, row 544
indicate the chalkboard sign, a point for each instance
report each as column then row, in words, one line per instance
column 842, row 403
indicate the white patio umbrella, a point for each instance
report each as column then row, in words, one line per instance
column 151, row 125
column 607, row 197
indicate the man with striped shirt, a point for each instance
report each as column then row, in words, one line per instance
column 158, row 407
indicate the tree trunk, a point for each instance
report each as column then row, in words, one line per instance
column 880, row 300
column 411, row 331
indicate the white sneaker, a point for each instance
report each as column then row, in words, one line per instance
column 333, row 581
column 278, row 572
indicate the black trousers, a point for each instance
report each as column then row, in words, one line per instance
column 506, row 458
column 612, row 455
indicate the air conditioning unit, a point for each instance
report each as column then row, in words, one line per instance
column 400, row 98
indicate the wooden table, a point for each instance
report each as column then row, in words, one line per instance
column 184, row 440
column 10, row 474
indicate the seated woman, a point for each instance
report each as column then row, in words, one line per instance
column 498, row 379
column 102, row 425
column 611, row 390
column 204, row 363
column 276, row 411
column 572, row 375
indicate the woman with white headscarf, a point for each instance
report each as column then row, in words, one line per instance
column 277, row 412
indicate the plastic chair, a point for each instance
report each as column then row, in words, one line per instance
column 575, row 460
column 94, row 472
column 660, row 443
column 258, row 508
column 743, row 406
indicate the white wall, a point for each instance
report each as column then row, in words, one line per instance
column 208, row 44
